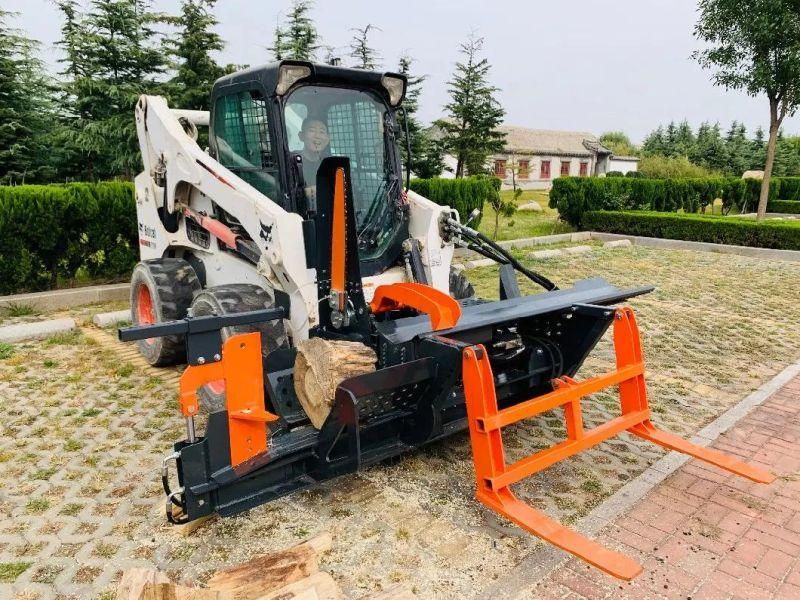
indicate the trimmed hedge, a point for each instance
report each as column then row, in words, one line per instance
column 787, row 207
column 465, row 194
column 784, row 235
column 51, row 234
column 574, row 196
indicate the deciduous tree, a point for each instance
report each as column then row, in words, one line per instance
column 755, row 46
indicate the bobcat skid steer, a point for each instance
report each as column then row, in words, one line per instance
column 295, row 224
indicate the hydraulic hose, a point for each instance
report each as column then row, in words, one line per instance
column 479, row 240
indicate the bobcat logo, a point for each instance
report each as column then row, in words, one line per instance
column 266, row 233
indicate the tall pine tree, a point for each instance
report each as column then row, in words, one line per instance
column 26, row 108
column 364, row 56
column 297, row 38
column 470, row 132
column 112, row 58
column 196, row 67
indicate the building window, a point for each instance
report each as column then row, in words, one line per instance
column 500, row 168
column 545, row 170
column 584, row 169
column 565, row 164
column 524, row 169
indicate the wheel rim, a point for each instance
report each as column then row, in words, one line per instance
column 145, row 315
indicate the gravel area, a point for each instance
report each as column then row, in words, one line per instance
column 83, row 427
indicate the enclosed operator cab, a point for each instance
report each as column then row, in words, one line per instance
column 274, row 125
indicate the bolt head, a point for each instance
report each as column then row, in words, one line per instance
column 217, row 357
column 201, row 360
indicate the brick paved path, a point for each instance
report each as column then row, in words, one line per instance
column 704, row 534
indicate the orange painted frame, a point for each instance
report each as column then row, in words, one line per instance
column 494, row 475
column 443, row 310
column 243, row 372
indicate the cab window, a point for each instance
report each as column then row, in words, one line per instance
column 243, row 142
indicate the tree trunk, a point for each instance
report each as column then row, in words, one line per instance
column 774, row 126
column 460, row 167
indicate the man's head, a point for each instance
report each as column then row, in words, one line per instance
column 314, row 134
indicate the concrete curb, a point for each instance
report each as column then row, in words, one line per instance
column 545, row 558
column 111, row 318
column 22, row 332
column 649, row 242
column 58, row 299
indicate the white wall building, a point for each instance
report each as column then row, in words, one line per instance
column 537, row 156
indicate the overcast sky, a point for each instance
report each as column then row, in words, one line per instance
column 575, row 64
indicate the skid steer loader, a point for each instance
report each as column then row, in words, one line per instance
column 296, row 223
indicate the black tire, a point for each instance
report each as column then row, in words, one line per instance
column 460, row 287
column 231, row 299
column 169, row 285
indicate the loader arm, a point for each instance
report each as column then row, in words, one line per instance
column 177, row 172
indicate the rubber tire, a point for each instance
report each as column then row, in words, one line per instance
column 172, row 283
column 231, row 299
column 460, row 287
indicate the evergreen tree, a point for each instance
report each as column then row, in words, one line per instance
column 298, row 37
column 684, row 139
column 426, row 154
column 365, row 57
column 112, row 59
column 655, row 143
column 470, row 132
column 757, row 152
column 26, row 108
column 196, row 69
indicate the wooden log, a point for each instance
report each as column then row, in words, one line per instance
column 134, row 580
column 172, row 591
column 266, row 573
column 393, row 592
column 321, row 543
column 321, row 365
column 319, row 586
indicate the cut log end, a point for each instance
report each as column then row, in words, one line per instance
column 320, row 367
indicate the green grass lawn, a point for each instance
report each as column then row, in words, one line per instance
column 524, row 224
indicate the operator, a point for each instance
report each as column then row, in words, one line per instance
column 316, row 147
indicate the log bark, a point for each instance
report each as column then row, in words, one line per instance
column 321, row 365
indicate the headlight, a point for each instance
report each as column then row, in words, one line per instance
column 289, row 75
column 396, row 86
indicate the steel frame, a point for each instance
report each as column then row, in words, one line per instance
column 494, row 475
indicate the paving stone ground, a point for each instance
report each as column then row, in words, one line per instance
column 83, row 428
column 705, row 534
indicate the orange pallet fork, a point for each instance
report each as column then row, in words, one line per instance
column 494, row 475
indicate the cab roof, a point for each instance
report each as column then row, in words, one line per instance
column 267, row 76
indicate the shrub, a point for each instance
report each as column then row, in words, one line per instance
column 663, row 167
column 698, row 228
column 788, row 207
column 52, row 233
column 634, row 174
column 615, row 174
column 789, row 188
column 464, row 194
column 574, row 196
